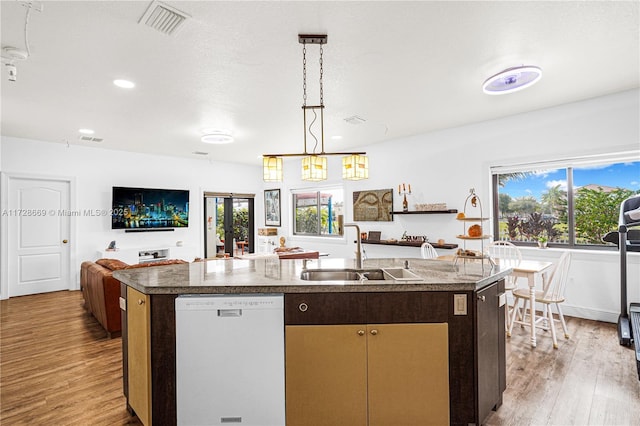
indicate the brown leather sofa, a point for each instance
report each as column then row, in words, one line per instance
column 101, row 291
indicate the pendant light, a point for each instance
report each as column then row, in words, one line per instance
column 355, row 167
column 272, row 169
column 314, row 168
column 314, row 164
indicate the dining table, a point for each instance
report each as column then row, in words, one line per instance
column 534, row 272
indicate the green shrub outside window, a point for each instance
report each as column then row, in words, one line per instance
column 572, row 206
column 316, row 212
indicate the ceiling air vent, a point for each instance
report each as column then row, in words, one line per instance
column 90, row 139
column 200, row 153
column 163, row 18
column 355, row 120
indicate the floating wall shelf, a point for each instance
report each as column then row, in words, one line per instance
column 411, row 244
column 429, row 212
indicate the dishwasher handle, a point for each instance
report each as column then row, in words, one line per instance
column 229, row 312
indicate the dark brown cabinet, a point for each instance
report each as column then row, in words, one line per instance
column 490, row 350
column 475, row 336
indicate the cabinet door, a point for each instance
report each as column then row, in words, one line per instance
column 139, row 359
column 326, row 375
column 408, row 374
column 489, row 329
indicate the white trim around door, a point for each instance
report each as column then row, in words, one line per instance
column 41, row 256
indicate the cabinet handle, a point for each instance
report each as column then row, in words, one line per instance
column 374, row 332
column 481, row 298
column 140, row 302
column 360, row 332
column 303, row 307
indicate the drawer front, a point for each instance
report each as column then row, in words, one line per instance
column 325, row 308
column 407, row 307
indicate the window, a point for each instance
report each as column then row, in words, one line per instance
column 316, row 212
column 572, row 203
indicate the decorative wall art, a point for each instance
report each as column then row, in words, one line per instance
column 272, row 207
column 373, row 206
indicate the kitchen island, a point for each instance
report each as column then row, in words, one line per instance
column 452, row 311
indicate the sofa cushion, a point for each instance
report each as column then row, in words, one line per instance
column 158, row 263
column 112, row 264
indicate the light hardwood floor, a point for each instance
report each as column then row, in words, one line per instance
column 57, row 367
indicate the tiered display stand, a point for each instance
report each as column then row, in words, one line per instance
column 472, row 214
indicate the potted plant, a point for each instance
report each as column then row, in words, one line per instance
column 542, row 241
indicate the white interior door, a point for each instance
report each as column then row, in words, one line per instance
column 38, row 231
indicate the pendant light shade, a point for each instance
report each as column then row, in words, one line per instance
column 355, row 167
column 272, row 169
column 314, row 168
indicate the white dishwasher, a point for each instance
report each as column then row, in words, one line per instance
column 230, row 360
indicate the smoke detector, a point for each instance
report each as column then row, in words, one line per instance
column 11, row 54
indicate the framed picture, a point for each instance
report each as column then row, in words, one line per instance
column 373, row 206
column 272, row 207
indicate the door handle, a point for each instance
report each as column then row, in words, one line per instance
column 65, row 241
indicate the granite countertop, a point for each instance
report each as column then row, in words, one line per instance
column 272, row 275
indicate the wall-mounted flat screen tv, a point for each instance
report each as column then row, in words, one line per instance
column 150, row 209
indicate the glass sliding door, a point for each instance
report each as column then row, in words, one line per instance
column 229, row 225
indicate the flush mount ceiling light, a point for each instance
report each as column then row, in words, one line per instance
column 314, row 163
column 218, row 138
column 512, row 79
column 124, row 84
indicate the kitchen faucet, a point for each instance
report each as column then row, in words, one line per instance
column 358, row 243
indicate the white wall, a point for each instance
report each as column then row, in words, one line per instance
column 97, row 170
column 440, row 166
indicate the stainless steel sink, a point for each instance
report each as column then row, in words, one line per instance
column 400, row 274
column 373, row 274
column 388, row 274
column 330, row 275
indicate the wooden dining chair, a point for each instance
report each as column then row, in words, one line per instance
column 507, row 255
column 427, row 251
column 552, row 294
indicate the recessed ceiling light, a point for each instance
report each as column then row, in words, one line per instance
column 125, row 84
column 86, row 131
column 217, row 138
column 512, row 79
column 336, row 137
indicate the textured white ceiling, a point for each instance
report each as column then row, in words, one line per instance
column 405, row 67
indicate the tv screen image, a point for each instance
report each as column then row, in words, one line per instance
column 147, row 208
